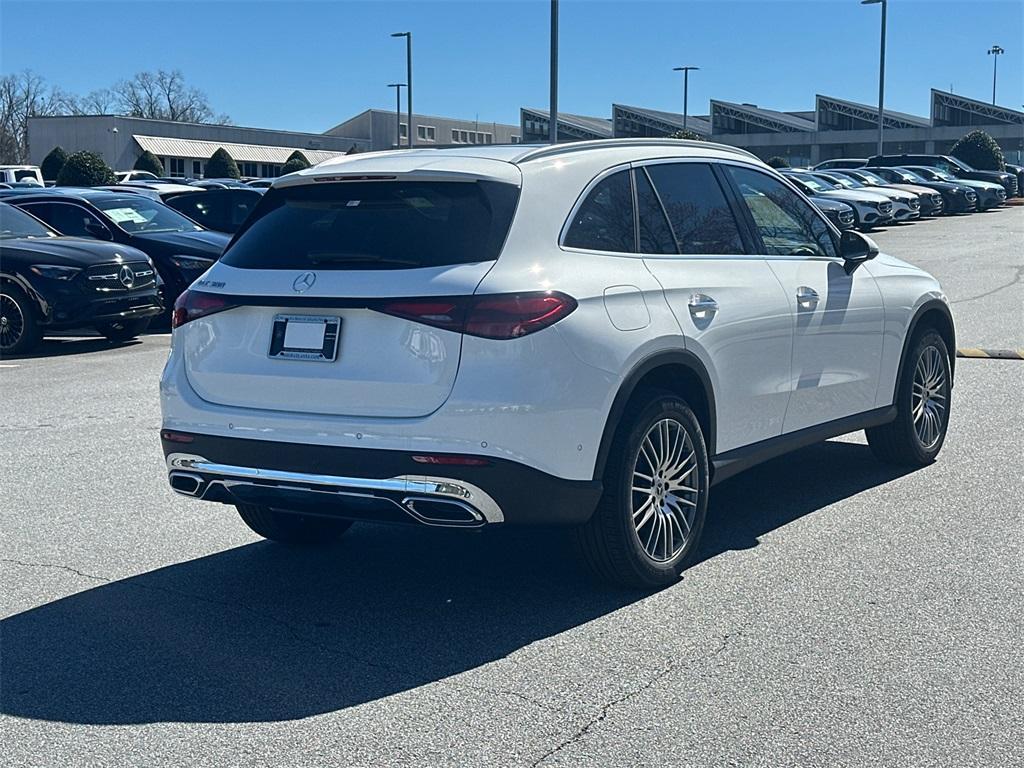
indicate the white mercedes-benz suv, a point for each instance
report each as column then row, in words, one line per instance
column 588, row 334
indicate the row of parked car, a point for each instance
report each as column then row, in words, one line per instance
column 115, row 258
column 870, row 192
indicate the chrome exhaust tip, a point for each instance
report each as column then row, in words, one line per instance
column 186, row 483
column 438, row 511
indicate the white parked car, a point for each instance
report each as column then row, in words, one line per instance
column 21, row 174
column 588, row 334
column 126, row 176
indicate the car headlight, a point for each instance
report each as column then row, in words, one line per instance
column 191, row 263
column 53, row 272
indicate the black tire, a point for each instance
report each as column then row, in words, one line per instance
column 123, row 330
column 609, row 543
column 899, row 441
column 19, row 321
column 290, row 528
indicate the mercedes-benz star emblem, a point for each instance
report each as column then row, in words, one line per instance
column 304, row 282
column 126, row 276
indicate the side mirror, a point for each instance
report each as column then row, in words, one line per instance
column 98, row 231
column 856, row 248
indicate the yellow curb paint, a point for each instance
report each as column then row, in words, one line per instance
column 991, row 354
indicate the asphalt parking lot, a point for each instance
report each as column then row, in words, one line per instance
column 842, row 612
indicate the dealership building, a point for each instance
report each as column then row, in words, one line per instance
column 836, row 127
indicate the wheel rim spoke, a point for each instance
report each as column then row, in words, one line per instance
column 928, row 397
column 665, row 491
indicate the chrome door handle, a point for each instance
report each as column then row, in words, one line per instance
column 702, row 307
column 806, row 297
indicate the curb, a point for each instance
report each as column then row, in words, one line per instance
column 992, row 354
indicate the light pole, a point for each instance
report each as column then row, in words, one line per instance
column 881, row 69
column 553, row 106
column 686, row 90
column 408, row 76
column 398, row 112
column 994, row 52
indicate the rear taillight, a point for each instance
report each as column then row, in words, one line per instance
column 191, row 305
column 496, row 316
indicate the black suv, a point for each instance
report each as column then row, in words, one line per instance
column 49, row 282
column 180, row 249
column 951, row 165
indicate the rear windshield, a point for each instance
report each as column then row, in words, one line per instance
column 376, row 225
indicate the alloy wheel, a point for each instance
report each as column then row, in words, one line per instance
column 664, row 490
column 12, row 322
column 928, row 397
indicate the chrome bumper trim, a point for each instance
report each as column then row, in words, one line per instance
column 466, row 495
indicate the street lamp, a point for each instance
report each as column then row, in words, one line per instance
column 994, row 52
column 408, row 76
column 398, row 112
column 686, row 90
column 553, row 105
column 881, row 69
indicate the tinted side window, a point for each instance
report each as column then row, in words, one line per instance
column 241, row 206
column 605, row 220
column 655, row 233
column 696, row 207
column 65, row 218
column 788, row 225
column 206, row 208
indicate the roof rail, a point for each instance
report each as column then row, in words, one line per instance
column 549, row 150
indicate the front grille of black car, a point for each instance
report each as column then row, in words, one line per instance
column 936, row 200
column 121, row 278
column 846, row 217
column 971, row 196
column 915, row 204
column 885, row 207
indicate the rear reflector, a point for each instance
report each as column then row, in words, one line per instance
column 452, row 461
column 495, row 316
column 176, row 437
column 191, row 305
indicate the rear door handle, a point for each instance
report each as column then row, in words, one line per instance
column 702, row 306
column 806, row 298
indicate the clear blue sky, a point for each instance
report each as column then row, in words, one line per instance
column 307, row 65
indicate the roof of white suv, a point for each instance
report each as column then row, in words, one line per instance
column 498, row 162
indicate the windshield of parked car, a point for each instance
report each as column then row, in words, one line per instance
column 376, row 225
column 814, row 182
column 14, row 222
column 956, row 162
column 870, row 177
column 908, row 175
column 140, row 215
column 942, row 175
column 844, row 181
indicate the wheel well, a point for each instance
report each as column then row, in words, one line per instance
column 939, row 321
column 682, row 380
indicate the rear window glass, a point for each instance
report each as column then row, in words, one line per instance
column 376, row 225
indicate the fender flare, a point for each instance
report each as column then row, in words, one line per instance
column 928, row 306
column 22, row 283
column 680, row 357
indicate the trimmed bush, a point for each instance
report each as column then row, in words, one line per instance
column 687, row 134
column 778, row 162
column 221, row 166
column 294, row 164
column 85, row 169
column 297, row 155
column 979, row 149
column 53, row 162
column 149, row 162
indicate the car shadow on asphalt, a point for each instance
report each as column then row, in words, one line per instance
column 57, row 346
column 262, row 633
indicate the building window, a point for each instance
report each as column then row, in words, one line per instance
column 515, row 139
column 267, row 170
column 248, row 169
column 488, row 138
column 426, row 132
column 177, row 165
column 197, row 169
column 403, row 130
column 455, row 137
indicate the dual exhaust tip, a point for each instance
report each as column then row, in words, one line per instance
column 428, row 510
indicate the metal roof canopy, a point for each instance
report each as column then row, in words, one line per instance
column 667, row 121
column 247, row 153
column 869, row 114
column 588, row 127
column 777, row 122
column 982, row 109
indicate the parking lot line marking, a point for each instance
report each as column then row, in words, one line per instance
column 991, row 354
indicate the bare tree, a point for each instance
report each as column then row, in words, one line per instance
column 24, row 95
column 163, row 95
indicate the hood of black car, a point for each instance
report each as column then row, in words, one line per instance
column 67, row 251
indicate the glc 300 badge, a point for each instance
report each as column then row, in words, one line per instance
column 304, row 282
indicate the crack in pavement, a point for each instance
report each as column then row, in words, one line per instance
column 296, row 634
column 603, row 713
column 1017, row 278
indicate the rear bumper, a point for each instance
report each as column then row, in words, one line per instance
column 373, row 485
